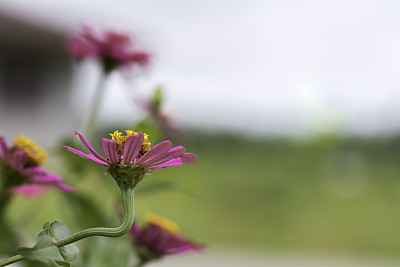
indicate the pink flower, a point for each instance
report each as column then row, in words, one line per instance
column 20, row 171
column 158, row 238
column 112, row 48
column 133, row 151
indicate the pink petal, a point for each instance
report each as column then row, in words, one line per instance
column 189, row 158
column 47, row 178
column 172, row 162
column 133, row 144
column 164, row 157
column 18, row 159
column 89, row 156
column 110, row 147
column 89, row 147
column 28, row 190
column 159, row 149
column 4, row 149
column 51, row 180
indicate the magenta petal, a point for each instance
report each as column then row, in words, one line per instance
column 28, row 190
column 47, row 178
column 133, row 144
column 160, row 155
column 189, row 158
column 172, row 162
column 4, row 149
column 164, row 157
column 158, row 149
column 89, row 156
column 52, row 180
column 89, row 147
column 18, row 159
column 110, row 147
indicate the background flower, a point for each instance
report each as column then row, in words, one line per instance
column 159, row 237
column 20, row 171
column 113, row 48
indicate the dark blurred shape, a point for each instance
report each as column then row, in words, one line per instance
column 35, row 75
column 27, row 52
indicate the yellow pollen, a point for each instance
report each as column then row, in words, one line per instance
column 162, row 222
column 34, row 151
column 120, row 139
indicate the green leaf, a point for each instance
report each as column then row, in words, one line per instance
column 45, row 250
column 63, row 263
column 46, row 226
column 58, row 230
column 157, row 98
column 42, row 254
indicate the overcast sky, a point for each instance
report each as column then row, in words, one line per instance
column 269, row 66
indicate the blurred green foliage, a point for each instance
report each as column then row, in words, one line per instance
column 327, row 194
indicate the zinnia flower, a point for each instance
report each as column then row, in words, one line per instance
column 158, row 238
column 129, row 157
column 20, row 171
column 114, row 49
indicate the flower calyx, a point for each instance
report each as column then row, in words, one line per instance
column 127, row 176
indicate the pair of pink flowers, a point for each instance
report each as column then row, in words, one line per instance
column 114, row 49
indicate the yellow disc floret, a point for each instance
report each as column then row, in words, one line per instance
column 120, row 139
column 162, row 222
column 34, row 151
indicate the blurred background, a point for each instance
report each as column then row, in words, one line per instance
column 291, row 106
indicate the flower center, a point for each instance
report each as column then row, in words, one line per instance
column 162, row 222
column 34, row 151
column 120, row 139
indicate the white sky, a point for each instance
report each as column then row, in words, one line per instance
column 268, row 66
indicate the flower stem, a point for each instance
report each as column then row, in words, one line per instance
column 11, row 260
column 4, row 200
column 128, row 207
column 89, row 125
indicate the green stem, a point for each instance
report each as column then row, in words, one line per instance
column 4, row 200
column 128, row 207
column 11, row 260
column 89, row 125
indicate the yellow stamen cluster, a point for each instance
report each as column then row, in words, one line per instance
column 34, row 151
column 120, row 139
column 162, row 222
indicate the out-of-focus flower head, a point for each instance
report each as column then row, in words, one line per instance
column 20, row 171
column 113, row 49
column 154, row 106
column 159, row 237
column 130, row 157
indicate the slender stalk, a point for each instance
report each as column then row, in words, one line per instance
column 11, row 260
column 88, row 126
column 127, row 204
column 4, row 200
column 128, row 207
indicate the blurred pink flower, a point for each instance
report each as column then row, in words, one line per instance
column 114, row 49
column 134, row 149
column 159, row 237
column 20, row 171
